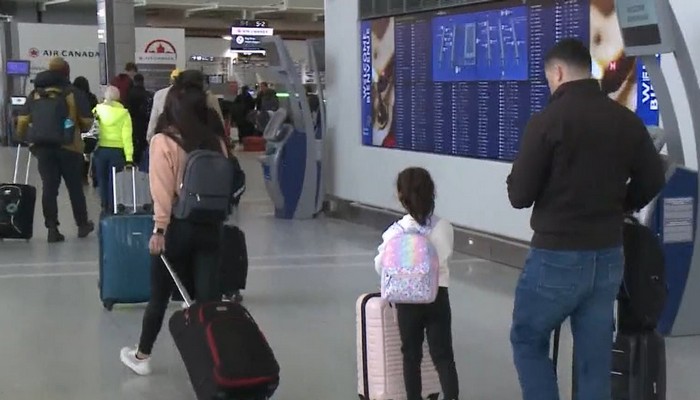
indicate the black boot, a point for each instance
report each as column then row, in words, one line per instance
column 55, row 236
column 86, row 229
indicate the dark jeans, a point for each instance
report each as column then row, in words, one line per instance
column 56, row 164
column 193, row 251
column 556, row 285
column 104, row 159
column 434, row 320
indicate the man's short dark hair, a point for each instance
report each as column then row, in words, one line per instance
column 138, row 78
column 572, row 52
column 130, row 66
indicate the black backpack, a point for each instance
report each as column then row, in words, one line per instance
column 49, row 111
column 207, row 187
column 643, row 294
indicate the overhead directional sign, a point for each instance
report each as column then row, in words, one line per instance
column 246, row 35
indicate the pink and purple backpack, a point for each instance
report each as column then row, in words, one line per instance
column 410, row 267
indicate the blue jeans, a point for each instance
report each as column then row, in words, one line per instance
column 554, row 285
column 104, row 159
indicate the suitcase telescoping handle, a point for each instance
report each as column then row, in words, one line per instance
column 29, row 162
column 114, row 188
column 178, row 282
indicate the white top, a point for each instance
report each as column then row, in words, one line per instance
column 442, row 237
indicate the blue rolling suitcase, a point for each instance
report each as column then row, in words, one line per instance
column 125, row 262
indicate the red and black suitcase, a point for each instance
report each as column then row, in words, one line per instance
column 17, row 202
column 224, row 350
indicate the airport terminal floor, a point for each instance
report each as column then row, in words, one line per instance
column 56, row 341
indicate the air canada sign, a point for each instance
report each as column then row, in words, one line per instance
column 65, row 53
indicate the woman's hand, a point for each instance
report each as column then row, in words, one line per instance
column 157, row 244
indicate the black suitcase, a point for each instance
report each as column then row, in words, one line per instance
column 639, row 367
column 17, row 202
column 225, row 353
column 233, row 260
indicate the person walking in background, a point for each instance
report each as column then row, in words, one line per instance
column 243, row 105
column 131, row 70
column 139, row 105
column 58, row 162
column 158, row 105
column 186, row 77
column 191, row 247
column 124, row 83
column 116, row 148
column 416, row 192
column 584, row 162
column 83, row 84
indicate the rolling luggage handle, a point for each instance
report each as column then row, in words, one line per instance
column 29, row 162
column 185, row 296
column 114, row 188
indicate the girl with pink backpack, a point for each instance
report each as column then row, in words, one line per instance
column 413, row 262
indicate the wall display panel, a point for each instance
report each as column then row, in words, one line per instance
column 465, row 81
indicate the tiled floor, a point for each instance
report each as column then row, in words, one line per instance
column 57, row 343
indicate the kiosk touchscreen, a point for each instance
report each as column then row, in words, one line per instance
column 650, row 28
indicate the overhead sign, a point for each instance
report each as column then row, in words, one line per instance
column 246, row 35
column 252, row 31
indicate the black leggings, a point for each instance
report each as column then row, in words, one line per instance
column 434, row 320
column 193, row 251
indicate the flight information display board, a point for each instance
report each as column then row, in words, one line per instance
column 465, row 81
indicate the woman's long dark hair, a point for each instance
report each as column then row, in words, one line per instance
column 82, row 83
column 188, row 120
column 416, row 191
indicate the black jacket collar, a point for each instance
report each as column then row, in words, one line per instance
column 580, row 87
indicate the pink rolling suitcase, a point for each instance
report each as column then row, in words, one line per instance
column 379, row 358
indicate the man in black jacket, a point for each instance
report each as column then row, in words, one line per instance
column 584, row 162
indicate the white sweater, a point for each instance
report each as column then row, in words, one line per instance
column 442, row 237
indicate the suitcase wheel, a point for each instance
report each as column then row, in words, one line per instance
column 108, row 305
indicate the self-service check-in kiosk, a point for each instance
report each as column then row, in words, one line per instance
column 292, row 164
column 650, row 28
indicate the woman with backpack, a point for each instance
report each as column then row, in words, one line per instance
column 190, row 245
column 416, row 192
column 115, row 146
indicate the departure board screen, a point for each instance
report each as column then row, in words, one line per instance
column 465, row 81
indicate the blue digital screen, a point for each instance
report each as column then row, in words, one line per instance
column 17, row 68
column 481, row 46
column 465, row 81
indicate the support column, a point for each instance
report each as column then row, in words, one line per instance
column 116, row 36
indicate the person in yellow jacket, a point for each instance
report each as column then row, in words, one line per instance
column 115, row 144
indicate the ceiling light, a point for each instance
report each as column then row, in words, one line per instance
column 227, row 37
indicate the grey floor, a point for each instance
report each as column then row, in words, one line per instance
column 56, row 342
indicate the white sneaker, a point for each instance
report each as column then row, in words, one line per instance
column 140, row 367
